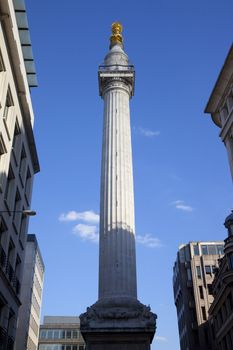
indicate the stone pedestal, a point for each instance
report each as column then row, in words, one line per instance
column 122, row 324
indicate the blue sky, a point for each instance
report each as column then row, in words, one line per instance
column 182, row 181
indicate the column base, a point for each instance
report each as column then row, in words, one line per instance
column 118, row 324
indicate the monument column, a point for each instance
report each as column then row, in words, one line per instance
column 117, row 320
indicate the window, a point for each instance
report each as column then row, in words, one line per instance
column 220, row 249
column 196, row 249
column 3, row 230
column 198, row 270
column 208, row 269
column 75, row 334
column 63, row 334
column 50, row 334
column 204, row 249
column 201, row 292
column 16, row 142
column 7, row 109
column 17, row 208
column 9, row 188
column 68, row 334
column 2, row 66
column 189, row 275
column 212, row 249
column 203, row 313
column 43, row 334
column 23, row 166
column 210, row 289
column 56, row 334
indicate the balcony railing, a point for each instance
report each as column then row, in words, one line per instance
column 121, row 67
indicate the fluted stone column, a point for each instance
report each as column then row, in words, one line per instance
column 117, row 267
column 117, row 320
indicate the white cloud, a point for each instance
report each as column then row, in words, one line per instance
column 158, row 338
column 86, row 216
column 179, row 204
column 87, row 232
column 148, row 241
column 147, row 132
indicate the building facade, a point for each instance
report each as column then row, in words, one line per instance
column 18, row 158
column 28, row 324
column 220, row 105
column 193, row 274
column 61, row 333
column 221, row 310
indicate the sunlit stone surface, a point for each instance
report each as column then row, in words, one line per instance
column 117, row 320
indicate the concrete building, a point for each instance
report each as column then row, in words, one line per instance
column 61, row 333
column 220, row 105
column 193, row 274
column 28, row 324
column 117, row 320
column 221, row 310
column 18, row 158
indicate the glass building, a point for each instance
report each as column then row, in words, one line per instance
column 61, row 333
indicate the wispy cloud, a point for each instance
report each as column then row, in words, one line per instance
column 148, row 241
column 146, row 132
column 86, row 216
column 87, row 228
column 181, row 205
column 87, row 232
column 159, row 338
column 87, row 224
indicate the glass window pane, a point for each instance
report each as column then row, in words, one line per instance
column 196, row 249
column 220, row 249
column 208, row 269
column 198, row 270
column 68, row 347
column 204, row 250
column 63, row 334
column 212, row 249
column 75, row 347
column 68, row 334
column 43, row 334
column 50, row 334
column 56, row 334
column 75, row 334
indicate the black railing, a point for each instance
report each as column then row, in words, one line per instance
column 120, row 66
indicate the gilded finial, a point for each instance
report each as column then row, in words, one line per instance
column 116, row 37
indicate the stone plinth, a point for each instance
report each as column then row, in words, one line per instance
column 122, row 324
